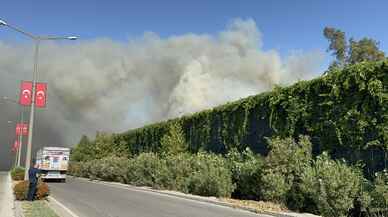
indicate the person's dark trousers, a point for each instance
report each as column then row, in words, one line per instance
column 31, row 191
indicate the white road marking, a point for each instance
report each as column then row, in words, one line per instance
column 63, row 207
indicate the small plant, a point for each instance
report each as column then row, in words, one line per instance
column 21, row 190
column 17, row 173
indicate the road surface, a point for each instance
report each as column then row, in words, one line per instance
column 89, row 199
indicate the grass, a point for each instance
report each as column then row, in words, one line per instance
column 37, row 208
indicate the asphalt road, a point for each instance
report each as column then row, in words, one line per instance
column 89, row 199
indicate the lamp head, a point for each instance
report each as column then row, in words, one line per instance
column 3, row 23
column 72, row 38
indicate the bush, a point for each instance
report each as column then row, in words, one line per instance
column 380, row 191
column 148, row 169
column 17, row 173
column 21, row 190
column 210, row 177
column 246, row 168
column 109, row 169
column 331, row 186
column 284, row 165
column 274, row 186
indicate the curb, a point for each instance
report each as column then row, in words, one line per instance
column 185, row 196
column 17, row 208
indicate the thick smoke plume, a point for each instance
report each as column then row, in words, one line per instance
column 103, row 85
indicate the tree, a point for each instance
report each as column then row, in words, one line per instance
column 337, row 45
column 351, row 52
column 83, row 150
column 174, row 142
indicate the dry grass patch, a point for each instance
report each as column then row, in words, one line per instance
column 258, row 206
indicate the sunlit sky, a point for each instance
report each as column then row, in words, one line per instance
column 286, row 26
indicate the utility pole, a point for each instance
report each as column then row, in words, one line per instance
column 37, row 40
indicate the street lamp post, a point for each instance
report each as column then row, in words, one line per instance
column 37, row 40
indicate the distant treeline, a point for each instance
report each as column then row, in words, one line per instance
column 344, row 112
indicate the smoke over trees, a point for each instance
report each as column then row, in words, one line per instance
column 104, row 85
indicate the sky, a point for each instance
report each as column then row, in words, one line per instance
column 210, row 47
column 287, row 26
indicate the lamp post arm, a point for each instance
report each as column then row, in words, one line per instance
column 22, row 31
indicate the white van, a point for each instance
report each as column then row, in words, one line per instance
column 53, row 162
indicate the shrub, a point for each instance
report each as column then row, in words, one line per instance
column 17, row 173
column 274, row 186
column 148, row 169
column 380, row 191
column 42, row 191
column 109, row 168
column 211, row 176
column 246, row 168
column 180, row 167
column 284, row 165
column 331, row 186
column 21, row 190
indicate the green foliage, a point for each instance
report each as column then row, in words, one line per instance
column 274, row 186
column 202, row 174
column 148, row 169
column 246, row 170
column 17, row 173
column 285, row 163
column 337, row 45
column 331, row 186
column 210, row 176
column 344, row 112
column 289, row 157
column 380, row 191
column 174, row 142
column 83, row 150
column 351, row 52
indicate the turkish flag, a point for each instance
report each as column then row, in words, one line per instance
column 25, row 97
column 18, row 129
column 21, row 129
column 24, row 129
column 40, row 95
column 15, row 146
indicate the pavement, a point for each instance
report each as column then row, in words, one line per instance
column 91, row 199
column 6, row 196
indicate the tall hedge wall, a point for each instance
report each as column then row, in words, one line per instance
column 344, row 112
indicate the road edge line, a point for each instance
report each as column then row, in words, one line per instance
column 61, row 205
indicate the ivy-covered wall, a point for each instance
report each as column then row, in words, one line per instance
column 344, row 112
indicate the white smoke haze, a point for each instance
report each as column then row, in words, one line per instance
column 114, row 86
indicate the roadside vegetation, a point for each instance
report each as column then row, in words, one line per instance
column 318, row 146
column 37, row 209
column 20, row 186
column 17, row 173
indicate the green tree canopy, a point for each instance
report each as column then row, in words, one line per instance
column 352, row 51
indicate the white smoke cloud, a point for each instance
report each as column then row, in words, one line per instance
column 114, row 86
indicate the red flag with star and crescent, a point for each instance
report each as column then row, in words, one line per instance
column 25, row 97
column 40, row 95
